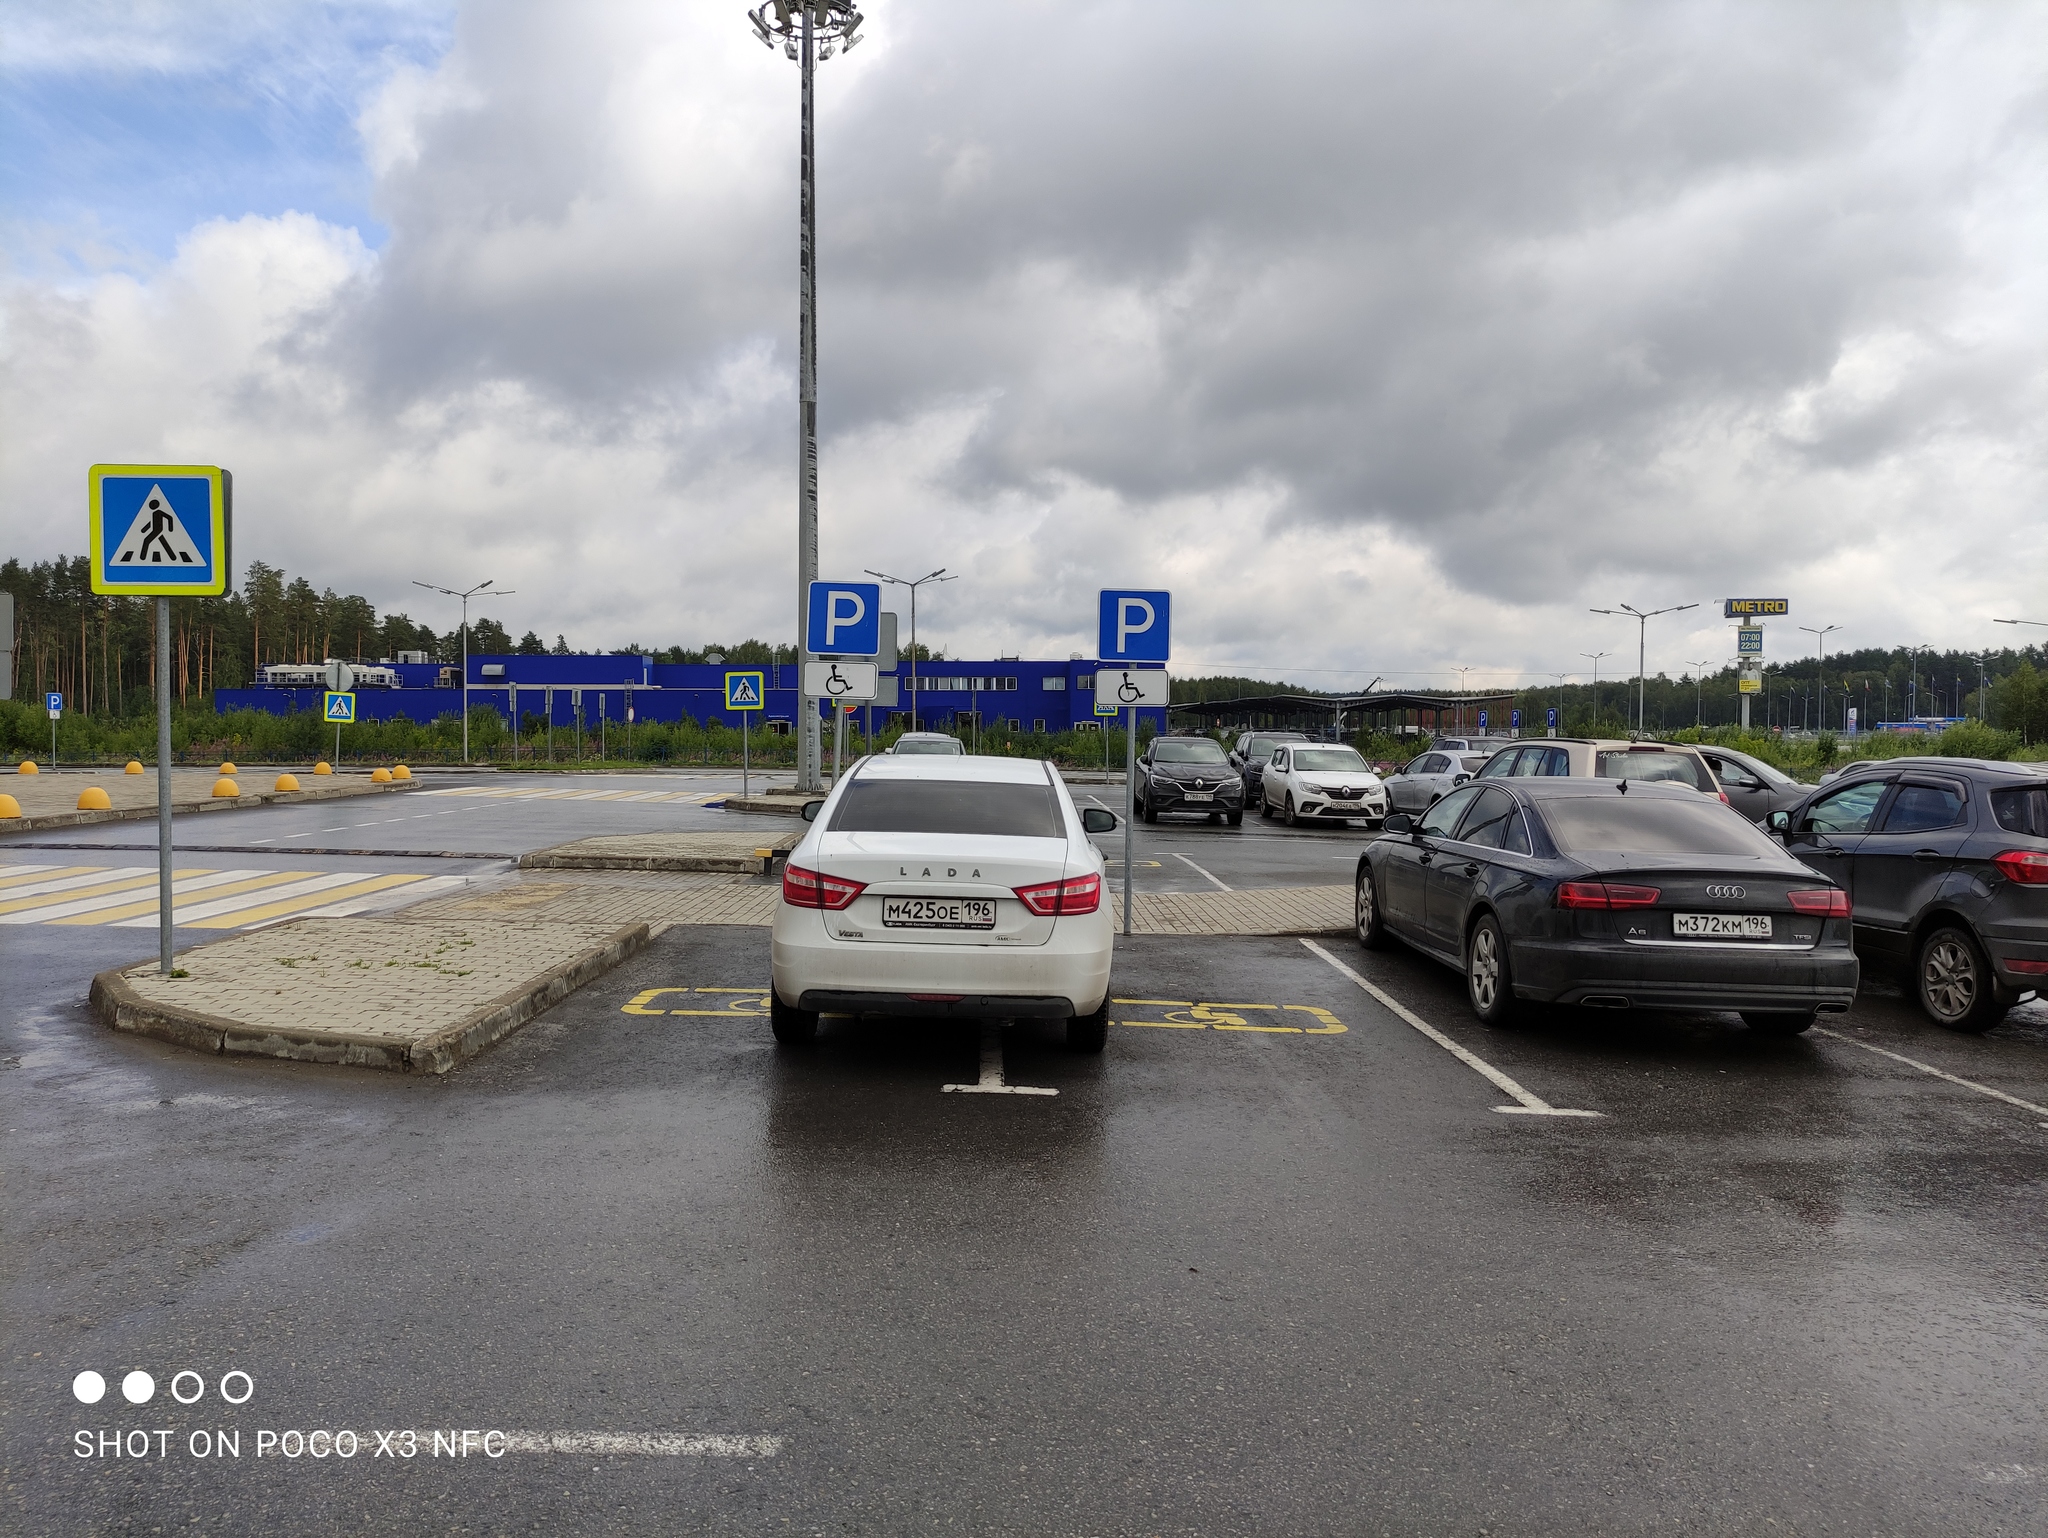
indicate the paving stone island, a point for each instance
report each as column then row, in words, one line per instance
column 417, row 995
column 737, row 852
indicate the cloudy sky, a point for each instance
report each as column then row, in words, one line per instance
column 1390, row 337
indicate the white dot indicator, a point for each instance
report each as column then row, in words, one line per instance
column 89, row 1387
column 137, row 1387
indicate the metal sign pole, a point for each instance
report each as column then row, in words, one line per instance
column 163, row 784
column 1130, row 806
column 838, row 740
column 745, row 789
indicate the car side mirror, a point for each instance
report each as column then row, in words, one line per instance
column 1095, row 820
column 1779, row 823
column 1461, row 779
column 811, row 810
column 1398, row 822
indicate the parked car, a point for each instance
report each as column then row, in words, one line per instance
column 1188, row 774
column 1473, row 744
column 1319, row 782
column 1754, row 788
column 929, row 742
column 1252, row 751
column 1946, row 862
column 1676, row 763
column 926, row 887
column 1429, row 777
column 1613, row 894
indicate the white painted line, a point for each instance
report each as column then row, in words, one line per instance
column 145, row 892
column 390, row 897
column 184, row 912
column 1982, row 1089
column 991, row 1081
column 1526, row 1103
column 660, row 1444
column 100, row 877
column 1191, row 865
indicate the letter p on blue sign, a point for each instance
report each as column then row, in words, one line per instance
column 1135, row 624
column 845, row 619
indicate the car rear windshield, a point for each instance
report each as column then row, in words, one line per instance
column 1186, row 750
column 1641, row 764
column 948, row 806
column 1330, row 760
column 912, row 745
column 1646, row 825
column 2022, row 811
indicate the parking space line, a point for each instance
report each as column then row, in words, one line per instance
column 1191, row 865
column 991, row 1080
column 1928, row 1068
column 1526, row 1103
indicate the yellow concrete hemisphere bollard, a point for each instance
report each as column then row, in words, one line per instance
column 400, row 772
column 287, row 782
column 227, row 770
column 9, row 807
column 134, row 766
column 323, row 767
column 93, row 799
column 225, row 789
column 28, row 766
column 380, row 776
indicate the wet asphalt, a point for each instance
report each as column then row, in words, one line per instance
column 1227, row 1280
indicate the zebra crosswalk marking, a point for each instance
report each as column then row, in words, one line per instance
column 505, row 793
column 72, row 878
column 75, row 896
column 126, row 896
column 245, row 916
column 17, row 874
column 227, row 886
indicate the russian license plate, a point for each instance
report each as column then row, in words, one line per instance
column 1721, row 926
column 1198, row 795
column 939, row 912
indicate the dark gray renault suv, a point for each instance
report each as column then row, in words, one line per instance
column 1946, row 864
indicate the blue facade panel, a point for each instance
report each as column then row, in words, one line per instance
column 1060, row 694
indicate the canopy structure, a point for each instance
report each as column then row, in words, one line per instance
column 1434, row 713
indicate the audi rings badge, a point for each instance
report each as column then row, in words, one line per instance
column 1727, row 891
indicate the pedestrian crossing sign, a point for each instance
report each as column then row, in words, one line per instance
column 341, row 709
column 745, row 691
column 159, row 530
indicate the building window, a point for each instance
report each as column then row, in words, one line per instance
column 1039, row 724
column 1015, row 723
column 1085, row 681
column 1053, row 683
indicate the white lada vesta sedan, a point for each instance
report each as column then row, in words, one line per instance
column 946, row 886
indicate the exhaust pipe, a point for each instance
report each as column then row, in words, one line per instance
column 1831, row 1009
column 1605, row 1001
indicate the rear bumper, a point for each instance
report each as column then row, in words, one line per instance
column 1067, row 975
column 1642, row 977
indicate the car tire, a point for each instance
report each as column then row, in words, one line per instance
column 1953, row 981
column 1087, row 1033
column 1265, row 807
column 1235, row 819
column 1145, row 811
column 1789, row 1023
column 1291, row 817
column 1365, row 911
column 793, row 1027
column 1488, row 984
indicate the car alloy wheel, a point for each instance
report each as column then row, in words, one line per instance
column 1293, row 817
column 1955, row 983
column 1487, row 982
column 1372, row 933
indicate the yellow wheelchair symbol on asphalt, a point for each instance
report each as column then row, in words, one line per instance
column 1186, row 1015
column 746, row 1003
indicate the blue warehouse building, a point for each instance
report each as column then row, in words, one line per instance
column 1022, row 695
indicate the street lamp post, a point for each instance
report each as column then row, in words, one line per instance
column 503, row 592
column 930, row 576
column 1643, row 618
column 1462, row 675
column 809, row 33
column 1913, row 679
column 1820, row 687
column 1596, row 656
column 1699, row 680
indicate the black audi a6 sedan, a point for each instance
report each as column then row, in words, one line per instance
column 1610, row 894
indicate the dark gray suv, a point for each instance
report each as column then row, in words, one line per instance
column 1947, row 870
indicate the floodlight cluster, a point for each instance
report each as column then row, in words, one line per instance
column 834, row 25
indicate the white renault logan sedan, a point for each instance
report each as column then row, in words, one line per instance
column 956, row 886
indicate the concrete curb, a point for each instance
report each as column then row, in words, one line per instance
column 780, row 806
column 120, row 1008
column 745, row 865
column 210, row 804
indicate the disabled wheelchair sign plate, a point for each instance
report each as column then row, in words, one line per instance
column 159, row 530
column 1123, row 687
column 840, row 680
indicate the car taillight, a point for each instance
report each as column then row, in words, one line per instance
column 2029, row 867
column 808, row 889
column 1062, row 899
column 1830, row 904
column 1604, row 894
